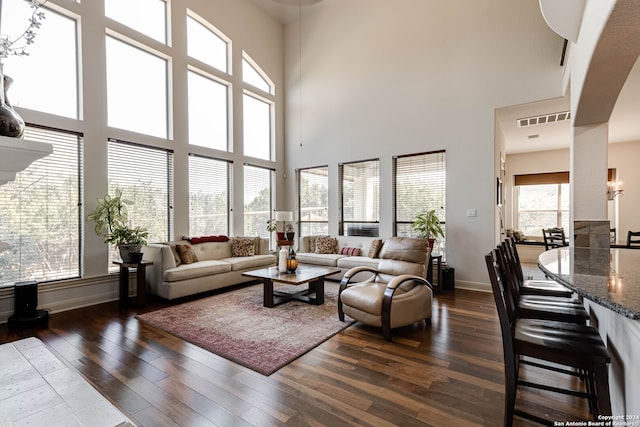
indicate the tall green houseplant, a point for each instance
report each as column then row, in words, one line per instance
column 427, row 225
column 111, row 218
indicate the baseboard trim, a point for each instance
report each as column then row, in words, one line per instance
column 473, row 286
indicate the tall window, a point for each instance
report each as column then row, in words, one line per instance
column 253, row 75
column 360, row 190
column 129, row 13
column 145, row 176
column 206, row 44
column 258, row 200
column 41, row 215
column 55, row 50
column 208, row 118
column 313, row 200
column 257, row 127
column 542, row 201
column 209, row 194
column 136, row 89
column 419, row 185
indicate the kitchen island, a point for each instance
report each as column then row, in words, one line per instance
column 608, row 281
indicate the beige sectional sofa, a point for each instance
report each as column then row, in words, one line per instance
column 307, row 254
column 215, row 265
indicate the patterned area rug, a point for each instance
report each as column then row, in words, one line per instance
column 237, row 327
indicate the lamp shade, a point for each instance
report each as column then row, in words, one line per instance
column 284, row 216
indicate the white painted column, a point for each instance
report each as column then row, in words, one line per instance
column 589, row 145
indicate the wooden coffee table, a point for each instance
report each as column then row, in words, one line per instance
column 303, row 274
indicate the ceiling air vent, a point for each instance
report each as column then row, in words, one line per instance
column 543, row 119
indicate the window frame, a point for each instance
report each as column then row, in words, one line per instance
column 372, row 225
column 301, row 220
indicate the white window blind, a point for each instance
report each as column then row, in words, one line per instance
column 360, row 190
column 420, row 185
column 258, row 200
column 145, row 176
column 313, row 200
column 41, row 213
column 209, row 195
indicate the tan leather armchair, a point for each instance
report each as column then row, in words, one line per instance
column 396, row 294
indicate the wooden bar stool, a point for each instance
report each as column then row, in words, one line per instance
column 571, row 345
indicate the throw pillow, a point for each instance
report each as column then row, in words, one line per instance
column 374, row 250
column 326, row 245
column 187, row 255
column 350, row 251
column 243, row 247
column 204, row 239
column 312, row 243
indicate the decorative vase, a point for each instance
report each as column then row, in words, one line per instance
column 11, row 124
column 280, row 235
column 282, row 261
column 290, row 235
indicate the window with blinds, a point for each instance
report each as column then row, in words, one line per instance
column 145, row 176
column 313, row 200
column 360, row 191
column 41, row 215
column 209, row 195
column 542, row 201
column 419, row 185
column 258, row 200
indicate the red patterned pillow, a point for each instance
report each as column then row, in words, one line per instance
column 350, row 251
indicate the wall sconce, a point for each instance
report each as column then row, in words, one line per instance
column 614, row 188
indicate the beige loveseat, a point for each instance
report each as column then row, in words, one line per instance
column 307, row 253
column 216, row 267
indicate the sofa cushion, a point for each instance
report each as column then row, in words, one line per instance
column 187, row 255
column 243, row 247
column 174, row 251
column 312, row 242
column 328, row 260
column 357, row 261
column 204, row 239
column 198, row 269
column 326, row 245
column 250, row 262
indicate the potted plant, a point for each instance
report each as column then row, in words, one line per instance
column 427, row 225
column 111, row 218
column 272, row 225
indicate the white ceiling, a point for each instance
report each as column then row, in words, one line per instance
column 624, row 125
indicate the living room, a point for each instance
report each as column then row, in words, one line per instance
column 401, row 78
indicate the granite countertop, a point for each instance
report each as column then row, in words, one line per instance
column 609, row 277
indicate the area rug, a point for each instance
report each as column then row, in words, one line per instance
column 237, row 327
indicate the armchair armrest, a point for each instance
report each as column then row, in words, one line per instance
column 355, row 270
column 399, row 280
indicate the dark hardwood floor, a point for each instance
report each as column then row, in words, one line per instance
column 449, row 373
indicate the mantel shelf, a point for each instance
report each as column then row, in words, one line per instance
column 17, row 154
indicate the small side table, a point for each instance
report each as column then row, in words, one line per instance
column 141, row 283
column 437, row 258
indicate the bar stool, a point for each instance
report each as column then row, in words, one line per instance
column 532, row 287
column 539, row 306
column 553, row 238
column 568, row 344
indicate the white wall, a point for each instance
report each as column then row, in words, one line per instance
column 381, row 78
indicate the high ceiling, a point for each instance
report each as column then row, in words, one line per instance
column 624, row 125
